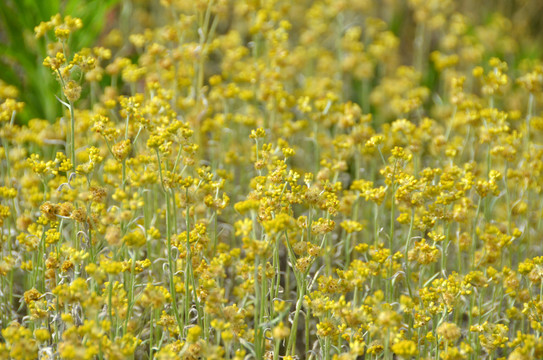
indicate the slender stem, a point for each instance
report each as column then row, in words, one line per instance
column 407, row 244
column 151, row 335
column 72, row 129
column 171, row 264
column 301, row 289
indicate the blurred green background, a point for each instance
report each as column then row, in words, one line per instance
column 21, row 55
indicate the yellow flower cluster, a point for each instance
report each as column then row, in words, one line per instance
column 278, row 180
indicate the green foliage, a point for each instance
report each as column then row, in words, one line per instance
column 21, row 54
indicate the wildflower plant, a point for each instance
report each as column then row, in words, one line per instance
column 277, row 180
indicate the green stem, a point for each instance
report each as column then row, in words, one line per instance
column 169, row 250
column 151, row 335
column 291, row 346
column 189, row 274
column 407, row 244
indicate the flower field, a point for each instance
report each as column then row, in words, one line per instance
column 272, row 179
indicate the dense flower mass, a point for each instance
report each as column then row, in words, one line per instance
column 278, row 179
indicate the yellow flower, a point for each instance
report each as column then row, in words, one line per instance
column 405, row 348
